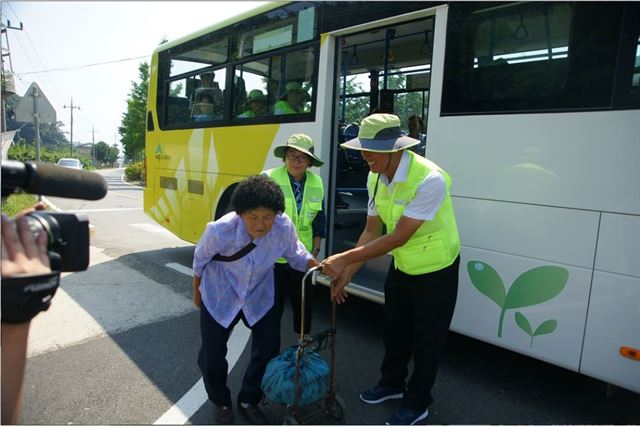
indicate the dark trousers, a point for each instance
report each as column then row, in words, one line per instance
column 289, row 283
column 265, row 336
column 418, row 312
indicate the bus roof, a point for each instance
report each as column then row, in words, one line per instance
column 230, row 21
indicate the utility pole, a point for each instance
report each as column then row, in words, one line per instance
column 72, row 107
column 7, row 79
column 93, row 142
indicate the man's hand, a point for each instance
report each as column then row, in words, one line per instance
column 22, row 253
column 334, row 265
column 338, row 293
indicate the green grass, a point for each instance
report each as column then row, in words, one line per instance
column 15, row 203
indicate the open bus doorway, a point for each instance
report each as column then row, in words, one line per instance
column 386, row 69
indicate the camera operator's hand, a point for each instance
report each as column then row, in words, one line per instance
column 22, row 254
column 40, row 205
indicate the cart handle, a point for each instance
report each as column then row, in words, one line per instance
column 312, row 271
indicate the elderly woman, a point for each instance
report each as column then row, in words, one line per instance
column 233, row 279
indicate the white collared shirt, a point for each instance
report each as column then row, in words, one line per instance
column 428, row 197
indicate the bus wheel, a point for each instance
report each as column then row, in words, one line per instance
column 224, row 205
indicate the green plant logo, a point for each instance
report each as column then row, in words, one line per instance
column 535, row 286
column 547, row 327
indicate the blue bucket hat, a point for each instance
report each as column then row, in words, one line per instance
column 380, row 133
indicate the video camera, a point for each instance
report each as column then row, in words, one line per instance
column 68, row 233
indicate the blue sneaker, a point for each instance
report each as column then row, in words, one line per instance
column 407, row 416
column 378, row 394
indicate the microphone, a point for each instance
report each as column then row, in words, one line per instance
column 48, row 179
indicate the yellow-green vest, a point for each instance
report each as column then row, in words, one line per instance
column 311, row 203
column 436, row 243
column 283, row 107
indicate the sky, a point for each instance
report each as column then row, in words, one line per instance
column 90, row 51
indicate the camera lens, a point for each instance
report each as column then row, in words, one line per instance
column 67, row 239
column 44, row 222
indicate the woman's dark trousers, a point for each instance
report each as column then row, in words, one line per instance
column 265, row 336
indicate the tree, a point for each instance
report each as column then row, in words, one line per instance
column 106, row 154
column 132, row 129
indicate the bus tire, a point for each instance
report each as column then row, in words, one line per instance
column 224, row 205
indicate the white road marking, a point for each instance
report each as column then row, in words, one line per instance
column 195, row 398
column 191, row 402
column 178, row 267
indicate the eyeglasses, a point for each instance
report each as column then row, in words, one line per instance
column 299, row 158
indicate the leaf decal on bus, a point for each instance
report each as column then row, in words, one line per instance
column 547, row 327
column 535, row 286
column 523, row 323
column 487, row 281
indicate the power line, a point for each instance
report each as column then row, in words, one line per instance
column 27, row 55
column 84, row 66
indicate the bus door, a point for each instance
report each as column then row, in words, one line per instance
column 386, row 69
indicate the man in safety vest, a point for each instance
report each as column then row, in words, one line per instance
column 304, row 199
column 410, row 196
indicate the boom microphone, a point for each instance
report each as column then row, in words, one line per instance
column 48, row 179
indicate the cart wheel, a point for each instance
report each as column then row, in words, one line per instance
column 338, row 409
column 290, row 420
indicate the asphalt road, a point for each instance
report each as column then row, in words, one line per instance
column 119, row 345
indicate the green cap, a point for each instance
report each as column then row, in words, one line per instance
column 256, row 95
column 302, row 143
column 380, row 133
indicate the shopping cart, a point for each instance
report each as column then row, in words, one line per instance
column 300, row 379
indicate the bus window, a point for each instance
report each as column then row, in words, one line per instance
column 295, row 87
column 206, row 53
column 635, row 79
column 177, row 103
column 282, row 84
column 288, row 25
column 529, row 57
column 252, row 100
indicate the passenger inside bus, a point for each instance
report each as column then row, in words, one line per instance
column 416, row 131
column 203, row 109
column 208, row 93
column 293, row 101
column 255, row 106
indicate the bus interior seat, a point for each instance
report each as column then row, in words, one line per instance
column 353, row 159
column 177, row 110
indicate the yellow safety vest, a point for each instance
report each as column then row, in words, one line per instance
column 436, row 243
column 311, row 203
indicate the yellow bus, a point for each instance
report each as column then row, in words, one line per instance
column 532, row 107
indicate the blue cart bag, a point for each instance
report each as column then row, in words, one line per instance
column 279, row 381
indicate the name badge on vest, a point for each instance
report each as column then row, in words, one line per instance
column 315, row 199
